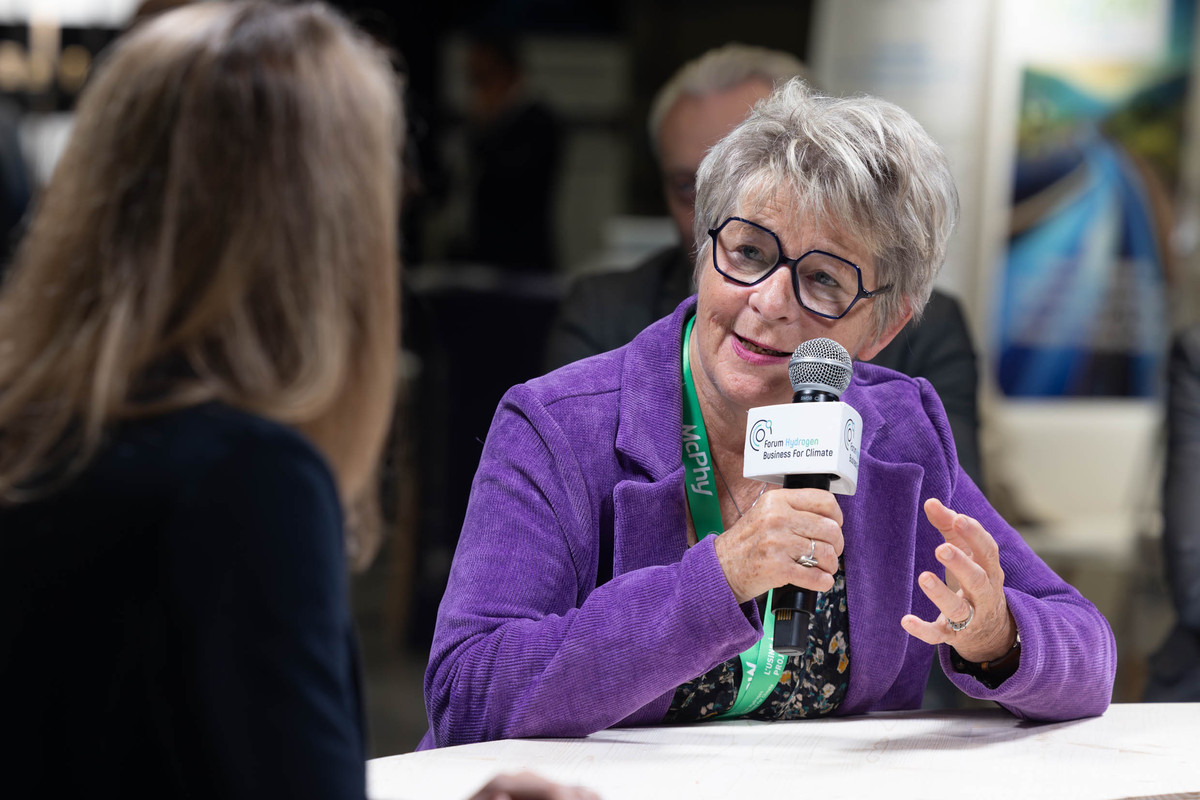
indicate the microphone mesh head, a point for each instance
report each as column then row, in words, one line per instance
column 822, row 365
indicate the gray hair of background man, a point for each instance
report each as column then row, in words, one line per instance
column 860, row 164
column 718, row 69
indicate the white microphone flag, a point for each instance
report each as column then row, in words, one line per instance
column 804, row 439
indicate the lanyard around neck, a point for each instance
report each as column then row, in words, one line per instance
column 761, row 666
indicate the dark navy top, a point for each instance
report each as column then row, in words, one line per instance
column 175, row 621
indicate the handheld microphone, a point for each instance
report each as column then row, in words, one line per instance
column 820, row 370
column 811, row 443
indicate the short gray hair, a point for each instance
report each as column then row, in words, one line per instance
column 719, row 69
column 862, row 163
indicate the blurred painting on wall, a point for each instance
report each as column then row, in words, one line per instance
column 1083, row 289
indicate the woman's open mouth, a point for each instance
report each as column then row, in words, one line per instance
column 754, row 347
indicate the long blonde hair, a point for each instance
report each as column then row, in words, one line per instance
column 221, row 227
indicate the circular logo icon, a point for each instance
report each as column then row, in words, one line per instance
column 849, row 433
column 758, row 433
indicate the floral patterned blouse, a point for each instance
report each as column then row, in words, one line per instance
column 812, row 685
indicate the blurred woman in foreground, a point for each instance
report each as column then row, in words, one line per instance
column 197, row 353
column 196, row 377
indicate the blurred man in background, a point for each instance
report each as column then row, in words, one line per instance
column 513, row 143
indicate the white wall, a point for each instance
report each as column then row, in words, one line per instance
column 106, row 13
column 930, row 58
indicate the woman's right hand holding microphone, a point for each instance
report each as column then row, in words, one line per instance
column 763, row 549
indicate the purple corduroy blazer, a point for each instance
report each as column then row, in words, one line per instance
column 527, row 644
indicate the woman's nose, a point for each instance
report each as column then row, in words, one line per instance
column 774, row 297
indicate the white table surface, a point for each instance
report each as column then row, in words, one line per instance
column 1132, row 751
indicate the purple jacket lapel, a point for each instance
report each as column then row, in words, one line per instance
column 880, row 576
column 648, row 431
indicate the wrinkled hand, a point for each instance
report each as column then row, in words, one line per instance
column 761, row 550
column 974, row 578
column 528, row 786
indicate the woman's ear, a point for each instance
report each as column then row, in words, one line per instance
column 870, row 351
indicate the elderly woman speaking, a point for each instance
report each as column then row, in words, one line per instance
column 580, row 596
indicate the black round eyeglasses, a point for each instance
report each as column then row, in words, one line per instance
column 826, row 285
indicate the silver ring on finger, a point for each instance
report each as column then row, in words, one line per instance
column 958, row 626
column 809, row 560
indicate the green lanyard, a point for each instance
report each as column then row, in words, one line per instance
column 761, row 666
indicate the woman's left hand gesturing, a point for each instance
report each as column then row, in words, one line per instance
column 972, row 593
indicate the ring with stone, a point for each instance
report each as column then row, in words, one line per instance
column 958, row 626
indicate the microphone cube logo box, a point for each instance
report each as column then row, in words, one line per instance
column 804, row 439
